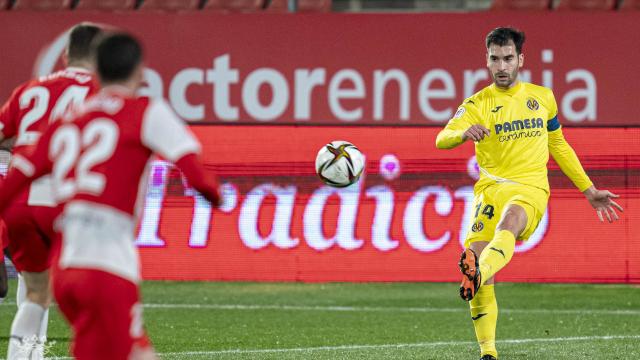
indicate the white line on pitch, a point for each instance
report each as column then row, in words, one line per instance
column 377, row 309
column 399, row 346
column 387, row 346
column 382, row 309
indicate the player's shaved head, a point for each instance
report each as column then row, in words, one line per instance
column 502, row 36
column 80, row 39
column 117, row 56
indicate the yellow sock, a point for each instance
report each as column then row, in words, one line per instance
column 484, row 312
column 497, row 254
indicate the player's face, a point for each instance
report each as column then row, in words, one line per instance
column 503, row 63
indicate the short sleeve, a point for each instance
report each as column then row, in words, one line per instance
column 166, row 134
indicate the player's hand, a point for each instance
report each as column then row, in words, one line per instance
column 602, row 201
column 475, row 133
column 227, row 197
column 217, row 201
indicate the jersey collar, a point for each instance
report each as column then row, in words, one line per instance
column 118, row 90
column 510, row 91
column 78, row 69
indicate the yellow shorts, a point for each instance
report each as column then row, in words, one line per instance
column 490, row 201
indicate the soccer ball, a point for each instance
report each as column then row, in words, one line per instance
column 339, row 163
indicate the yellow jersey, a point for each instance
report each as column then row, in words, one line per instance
column 524, row 126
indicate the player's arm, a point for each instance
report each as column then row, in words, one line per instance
column 26, row 169
column 7, row 144
column 565, row 156
column 9, row 113
column 166, row 135
column 463, row 126
column 206, row 184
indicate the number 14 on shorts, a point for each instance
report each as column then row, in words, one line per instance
column 487, row 210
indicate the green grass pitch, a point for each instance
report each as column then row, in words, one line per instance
column 212, row 320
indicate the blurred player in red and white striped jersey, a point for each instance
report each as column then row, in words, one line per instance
column 25, row 116
column 97, row 157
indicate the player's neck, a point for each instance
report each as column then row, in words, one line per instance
column 79, row 64
column 509, row 87
column 511, row 90
column 127, row 88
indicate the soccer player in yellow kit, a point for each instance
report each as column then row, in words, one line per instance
column 515, row 127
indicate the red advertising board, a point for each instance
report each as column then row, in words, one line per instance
column 401, row 222
column 356, row 69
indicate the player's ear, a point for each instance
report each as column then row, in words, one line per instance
column 521, row 60
column 138, row 75
column 65, row 57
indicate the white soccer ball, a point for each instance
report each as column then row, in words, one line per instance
column 339, row 163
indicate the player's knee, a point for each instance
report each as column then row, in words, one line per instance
column 513, row 219
column 42, row 298
column 38, row 288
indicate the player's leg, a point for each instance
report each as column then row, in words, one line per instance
column 21, row 291
column 484, row 311
column 21, row 296
column 30, row 256
column 482, row 230
column 500, row 250
column 520, row 216
column 105, row 315
column 520, row 208
column 45, row 217
column 37, row 284
column 31, row 314
column 4, row 282
column 483, row 305
column 477, row 268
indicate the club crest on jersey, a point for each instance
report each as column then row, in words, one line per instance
column 459, row 113
column 477, row 227
column 532, row 104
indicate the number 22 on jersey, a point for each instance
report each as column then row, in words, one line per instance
column 72, row 148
